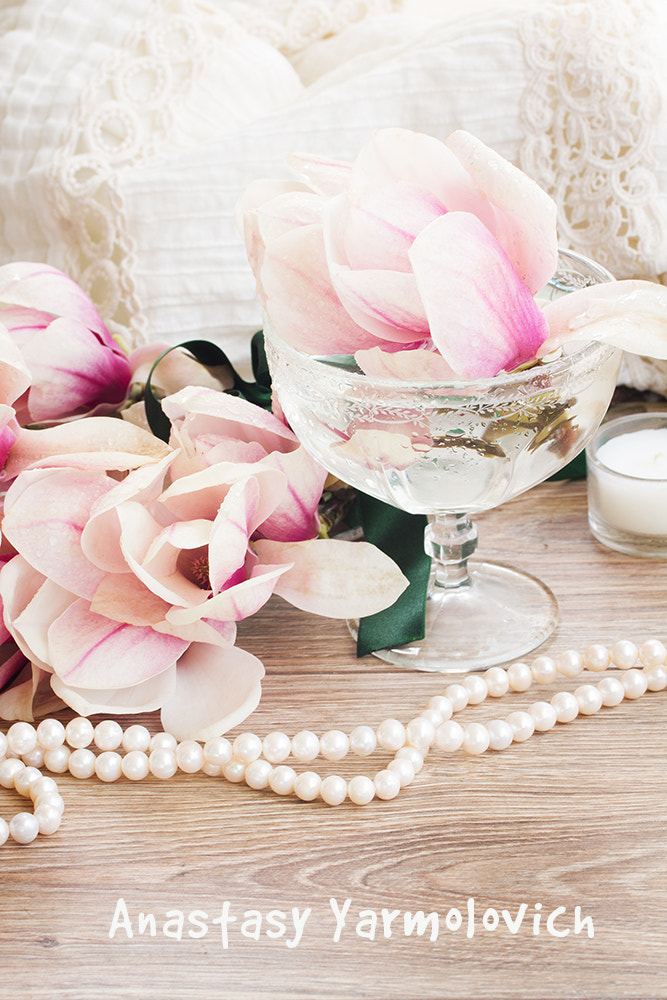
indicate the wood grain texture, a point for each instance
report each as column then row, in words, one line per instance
column 573, row 818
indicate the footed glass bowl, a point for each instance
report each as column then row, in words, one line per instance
column 449, row 451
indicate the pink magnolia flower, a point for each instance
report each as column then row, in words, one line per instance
column 74, row 365
column 127, row 593
column 417, row 242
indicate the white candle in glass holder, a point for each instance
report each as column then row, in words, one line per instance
column 628, row 480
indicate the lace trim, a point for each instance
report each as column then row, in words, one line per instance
column 292, row 25
column 589, row 113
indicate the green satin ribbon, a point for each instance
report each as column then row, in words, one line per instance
column 398, row 534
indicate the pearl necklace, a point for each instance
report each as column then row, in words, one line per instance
column 261, row 762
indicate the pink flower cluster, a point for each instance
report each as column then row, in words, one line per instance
column 127, row 562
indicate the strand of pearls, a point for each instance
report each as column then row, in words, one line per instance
column 261, row 763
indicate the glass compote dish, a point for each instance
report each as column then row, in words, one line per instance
column 451, row 451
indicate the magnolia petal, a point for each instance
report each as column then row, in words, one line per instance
column 90, row 651
column 245, row 214
column 200, row 411
column 30, row 627
column 146, row 696
column 42, row 287
column 287, row 211
column 379, row 449
column 231, row 530
column 200, row 494
column 418, row 365
column 101, row 443
column 45, row 513
column 176, row 369
column 334, row 578
column 483, row 319
column 295, row 516
column 300, row 300
column 201, row 631
column 386, row 303
column 27, row 699
column 215, row 690
column 236, row 603
column 72, row 373
column 100, row 540
column 14, row 373
column 630, row 315
column 123, row 598
column 524, row 220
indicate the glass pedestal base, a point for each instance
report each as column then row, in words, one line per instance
column 499, row 616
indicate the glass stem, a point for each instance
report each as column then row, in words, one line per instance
column 450, row 540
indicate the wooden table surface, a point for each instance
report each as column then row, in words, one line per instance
column 568, row 829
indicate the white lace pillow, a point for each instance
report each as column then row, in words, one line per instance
column 129, row 129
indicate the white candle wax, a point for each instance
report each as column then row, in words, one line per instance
column 629, row 481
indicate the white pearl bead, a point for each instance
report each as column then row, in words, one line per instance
column 81, row 763
column 212, row 770
column 656, row 677
column 108, row 735
column 565, row 705
column 35, row 758
column 21, row 738
column 234, row 770
column 361, row 790
column 334, row 745
column 276, row 747
column 79, row 732
column 48, row 819
column 413, row 755
column 596, row 657
column 136, row 737
column 420, row 733
column 41, row 786
column 404, row 769
column 391, row 734
column 333, row 790
column 501, row 734
column 449, row 736
column 135, row 765
column 4, row 831
column 387, row 784
column 25, row 778
column 282, row 779
column 163, row 741
column 247, row 747
column 634, row 683
column 24, row 827
column 363, row 741
column 544, row 716
column 476, row 738
column 477, row 689
column 305, row 746
column 50, row 734
column 496, row 681
column 218, row 750
column 258, row 774
column 189, row 756
column 162, row 763
column 458, row 696
column 570, row 663
column 442, row 705
column 108, row 765
column 50, row 799
column 624, row 654
column 589, row 699
column 519, row 676
column 523, row 725
column 652, row 653
column 544, row 670
column 57, row 759
column 611, row 690
column 307, row 786
column 9, row 768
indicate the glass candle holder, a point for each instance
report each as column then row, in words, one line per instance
column 627, row 485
